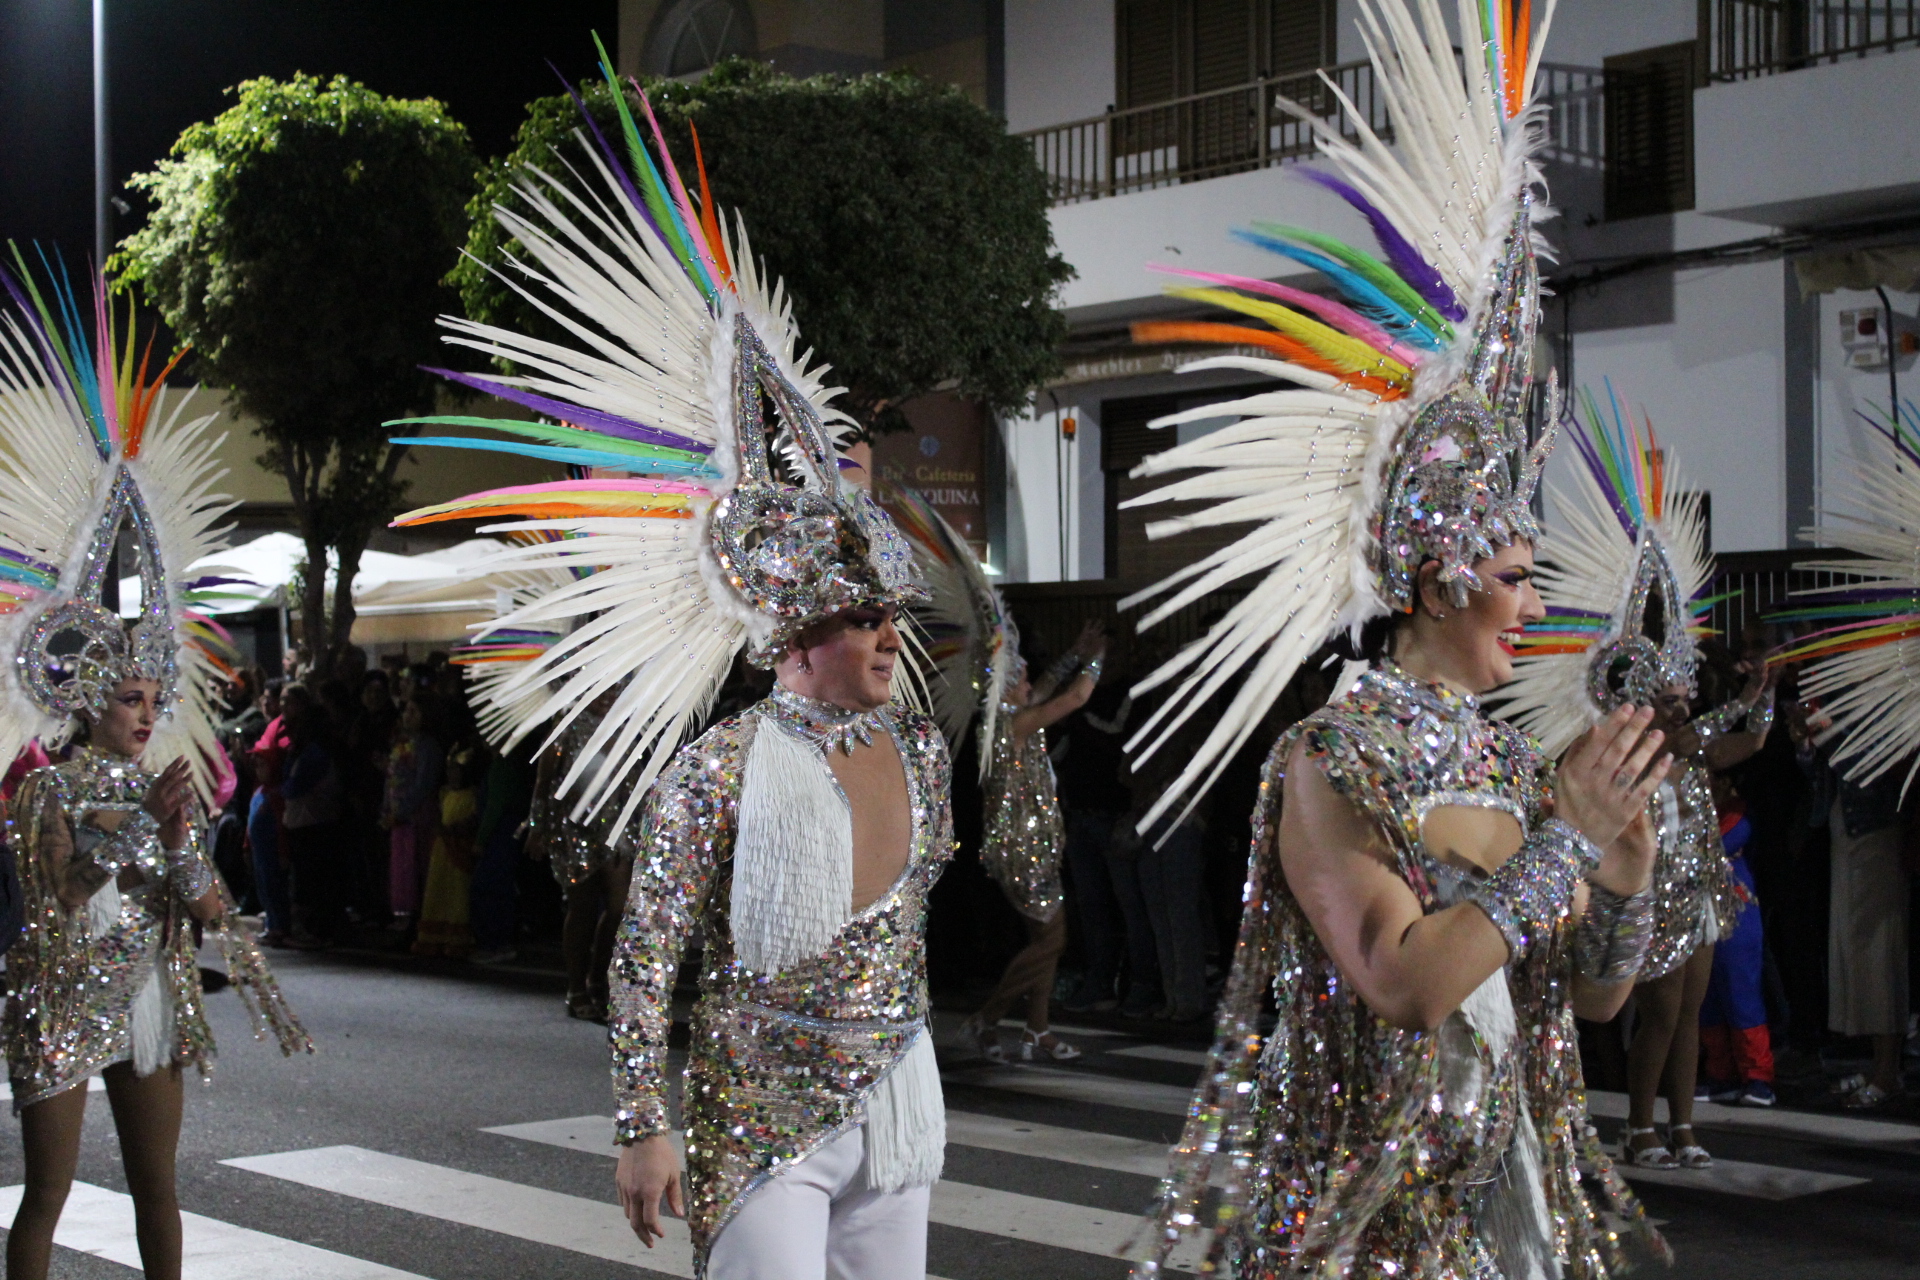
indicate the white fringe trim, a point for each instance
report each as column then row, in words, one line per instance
column 906, row 1129
column 152, row 1019
column 793, row 858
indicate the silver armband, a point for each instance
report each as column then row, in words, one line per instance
column 1533, row 889
column 117, row 851
column 192, row 877
column 1615, row 934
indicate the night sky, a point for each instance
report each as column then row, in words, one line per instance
column 170, row 62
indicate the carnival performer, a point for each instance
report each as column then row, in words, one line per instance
column 800, row 837
column 980, row 678
column 591, row 869
column 1857, row 733
column 1023, row 841
column 1624, row 613
column 1429, row 900
column 112, row 842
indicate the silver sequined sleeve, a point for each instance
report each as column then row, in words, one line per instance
column 685, row 825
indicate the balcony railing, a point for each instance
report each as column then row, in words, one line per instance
column 1748, row 38
column 1209, row 135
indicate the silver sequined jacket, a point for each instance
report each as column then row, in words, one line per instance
column 72, row 976
column 779, row 1063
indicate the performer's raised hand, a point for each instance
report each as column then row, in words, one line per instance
column 1609, row 773
column 649, row 1169
column 166, row 801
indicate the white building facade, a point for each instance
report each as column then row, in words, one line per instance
column 1712, row 183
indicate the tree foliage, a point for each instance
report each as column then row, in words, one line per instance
column 910, row 230
column 299, row 241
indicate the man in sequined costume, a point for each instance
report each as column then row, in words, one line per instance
column 801, row 837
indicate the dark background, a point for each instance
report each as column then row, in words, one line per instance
column 171, row 61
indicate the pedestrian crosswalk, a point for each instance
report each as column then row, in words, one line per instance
column 1050, row 1169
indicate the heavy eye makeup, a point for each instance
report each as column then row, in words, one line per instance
column 1515, row 576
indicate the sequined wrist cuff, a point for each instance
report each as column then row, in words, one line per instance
column 630, row 1125
column 1614, row 935
column 191, row 874
column 1533, row 888
column 1760, row 719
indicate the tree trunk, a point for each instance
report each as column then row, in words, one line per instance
column 350, row 550
column 313, row 606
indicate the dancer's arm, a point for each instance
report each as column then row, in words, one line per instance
column 683, row 821
column 1413, row 968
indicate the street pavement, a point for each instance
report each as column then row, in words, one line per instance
column 454, row 1125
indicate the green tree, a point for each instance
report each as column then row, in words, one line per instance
column 299, row 241
column 911, row 231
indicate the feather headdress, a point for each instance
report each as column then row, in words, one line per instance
column 1865, row 662
column 1627, row 542
column 695, row 543
column 92, row 447
column 969, row 641
column 1396, row 430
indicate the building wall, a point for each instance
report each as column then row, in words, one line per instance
column 1060, row 61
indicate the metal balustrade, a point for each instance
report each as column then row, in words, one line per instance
column 1253, row 126
column 1748, row 38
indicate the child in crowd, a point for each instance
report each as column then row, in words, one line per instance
column 413, row 781
column 1733, row 1020
column 445, row 919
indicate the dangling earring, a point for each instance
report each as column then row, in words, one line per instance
column 806, row 667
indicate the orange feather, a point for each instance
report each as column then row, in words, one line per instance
column 1286, row 348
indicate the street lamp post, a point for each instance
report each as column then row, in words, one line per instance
column 102, row 210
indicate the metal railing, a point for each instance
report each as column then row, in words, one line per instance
column 1203, row 135
column 1748, row 38
column 1209, row 135
column 1576, row 99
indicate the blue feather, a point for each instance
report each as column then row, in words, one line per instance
column 574, row 457
column 1366, row 296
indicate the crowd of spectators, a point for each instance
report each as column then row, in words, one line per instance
column 368, row 807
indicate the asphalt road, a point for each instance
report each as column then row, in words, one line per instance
column 374, row 1160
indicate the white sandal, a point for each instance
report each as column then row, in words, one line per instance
column 1690, row 1155
column 1647, row 1158
column 1046, row 1043
column 985, row 1041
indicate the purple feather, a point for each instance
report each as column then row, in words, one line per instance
column 612, row 157
column 579, row 415
column 1591, row 456
column 1405, row 260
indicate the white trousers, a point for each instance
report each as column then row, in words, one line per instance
column 817, row 1220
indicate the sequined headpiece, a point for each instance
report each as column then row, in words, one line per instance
column 1627, row 548
column 799, row 553
column 94, row 462
column 1462, row 478
column 1397, row 430
column 708, row 513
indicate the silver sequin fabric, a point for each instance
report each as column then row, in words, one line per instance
column 575, row 850
column 1696, row 900
column 1332, row 1138
column 1024, row 835
column 780, row 1063
column 69, row 1012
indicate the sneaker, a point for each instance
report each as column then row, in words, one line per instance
column 493, row 955
column 1758, row 1093
column 1716, row 1091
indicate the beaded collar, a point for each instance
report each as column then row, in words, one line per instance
column 825, row 724
column 1429, row 695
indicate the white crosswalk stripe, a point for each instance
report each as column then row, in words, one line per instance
column 1163, row 1053
column 1002, row 1213
column 594, row 1227
column 100, row 1222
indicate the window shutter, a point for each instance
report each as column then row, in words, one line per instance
column 1149, row 49
column 1649, row 103
column 1300, row 35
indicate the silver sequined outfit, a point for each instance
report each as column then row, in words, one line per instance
column 780, row 1063
column 1696, row 900
column 1352, row 1147
column 75, row 974
column 575, row 850
column 1024, row 835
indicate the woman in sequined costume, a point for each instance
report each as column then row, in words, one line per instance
column 812, row 1103
column 1021, row 847
column 104, row 980
column 1377, row 912
column 1696, row 903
